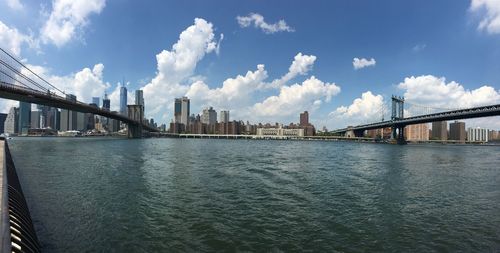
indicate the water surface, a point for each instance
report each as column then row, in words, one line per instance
column 164, row 195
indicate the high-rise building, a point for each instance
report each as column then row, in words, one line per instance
column 96, row 101
column 123, row 100
column 457, row 131
column 3, row 117
column 477, row 134
column 185, row 108
column 439, row 130
column 106, row 103
column 209, row 116
column 182, row 111
column 224, row 117
column 139, row 99
column 418, row 132
column 304, row 119
column 24, row 117
column 11, row 125
column 177, row 110
column 35, row 119
column 492, row 135
column 68, row 118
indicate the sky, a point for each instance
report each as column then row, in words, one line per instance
column 265, row 61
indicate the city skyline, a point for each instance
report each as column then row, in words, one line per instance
column 345, row 79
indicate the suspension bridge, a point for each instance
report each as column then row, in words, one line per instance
column 418, row 114
column 19, row 82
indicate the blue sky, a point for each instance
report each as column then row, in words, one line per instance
column 450, row 48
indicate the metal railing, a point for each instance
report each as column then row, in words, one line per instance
column 18, row 233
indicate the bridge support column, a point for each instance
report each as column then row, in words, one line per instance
column 134, row 131
column 135, row 112
column 398, row 135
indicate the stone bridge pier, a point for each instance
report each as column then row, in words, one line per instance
column 135, row 112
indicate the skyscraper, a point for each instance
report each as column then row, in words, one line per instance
column 185, row 107
column 96, row 101
column 24, row 117
column 106, row 103
column 3, row 117
column 439, row 130
column 209, row 116
column 457, row 131
column 123, row 100
column 35, row 119
column 68, row 118
column 177, row 110
column 139, row 99
column 12, row 121
column 181, row 110
column 304, row 119
column 224, row 117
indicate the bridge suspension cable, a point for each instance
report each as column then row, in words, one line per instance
column 17, row 72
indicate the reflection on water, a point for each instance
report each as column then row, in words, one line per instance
column 157, row 195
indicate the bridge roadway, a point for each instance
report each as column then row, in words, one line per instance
column 15, row 92
column 475, row 112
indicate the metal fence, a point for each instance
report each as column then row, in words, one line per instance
column 21, row 231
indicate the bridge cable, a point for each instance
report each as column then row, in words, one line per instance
column 23, row 76
column 32, row 71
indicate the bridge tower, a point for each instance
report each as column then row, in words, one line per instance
column 398, row 114
column 135, row 112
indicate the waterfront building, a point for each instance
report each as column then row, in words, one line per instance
column 181, row 110
column 418, row 132
column 309, row 129
column 493, row 135
column 52, row 118
column 123, row 100
column 304, row 118
column 477, row 134
column 280, row 131
column 209, row 116
column 224, row 116
column 439, row 130
column 457, row 131
column 35, row 119
column 24, row 118
column 11, row 125
column 81, row 121
column 177, row 110
column 3, row 117
column 68, row 118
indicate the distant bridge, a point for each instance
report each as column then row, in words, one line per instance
column 18, row 82
column 398, row 122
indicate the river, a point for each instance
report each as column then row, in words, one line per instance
column 170, row 195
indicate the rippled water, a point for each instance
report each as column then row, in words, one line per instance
column 164, row 195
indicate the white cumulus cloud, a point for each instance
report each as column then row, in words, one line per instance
column 234, row 93
column 295, row 98
column 177, row 65
column 258, row 21
column 12, row 40
column 362, row 63
column 15, row 4
column 67, row 18
column 434, row 91
column 301, row 65
column 368, row 107
column 490, row 11
column 84, row 84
